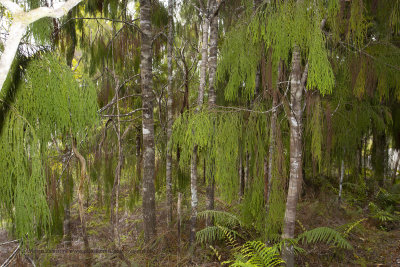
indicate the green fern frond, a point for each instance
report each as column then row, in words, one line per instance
column 326, row 235
column 260, row 255
column 220, row 217
column 213, row 233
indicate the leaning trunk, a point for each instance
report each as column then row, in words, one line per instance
column 149, row 208
column 81, row 209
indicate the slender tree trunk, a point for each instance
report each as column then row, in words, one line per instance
column 115, row 189
column 204, row 58
column 194, row 200
column 67, row 209
column 212, row 70
column 169, row 113
column 82, row 215
column 200, row 101
column 212, row 60
column 149, row 207
column 179, row 213
column 341, row 181
column 394, row 175
column 295, row 155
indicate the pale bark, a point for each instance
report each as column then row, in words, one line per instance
column 295, row 154
column 212, row 60
column 200, row 100
column 149, row 210
column 204, row 59
column 169, row 113
column 179, row 213
column 394, row 175
column 194, row 199
column 21, row 21
column 212, row 70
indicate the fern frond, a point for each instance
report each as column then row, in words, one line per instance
column 213, row 233
column 220, row 217
column 261, row 255
column 326, row 235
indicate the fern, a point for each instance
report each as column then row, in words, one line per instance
column 213, row 233
column 220, row 217
column 260, row 255
column 326, row 235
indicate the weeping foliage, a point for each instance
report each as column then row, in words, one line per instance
column 48, row 101
column 216, row 135
column 238, row 62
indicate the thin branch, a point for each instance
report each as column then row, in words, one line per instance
column 124, row 115
column 9, row 259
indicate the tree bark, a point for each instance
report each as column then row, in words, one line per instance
column 194, row 200
column 212, row 70
column 115, row 190
column 21, row 21
column 394, row 175
column 204, row 58
column 82, row 215
column 295, row 155
column 169, row 113
column 200, row 100
column 212, row 60
column 149, row 210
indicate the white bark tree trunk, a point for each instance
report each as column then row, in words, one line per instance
column 21, row 21
column 295, row 155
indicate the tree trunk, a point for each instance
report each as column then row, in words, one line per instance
column 115, row 189
column 194, row 200
column 168, row 177
column 204, row 59
column 67, row 209
column 295, row 155
column 394, row 175
column 200, row 101
column 82, row 215
column 212, row 70
column 149, row 209
column 212, row 60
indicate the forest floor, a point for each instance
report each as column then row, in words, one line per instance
column 372, row 246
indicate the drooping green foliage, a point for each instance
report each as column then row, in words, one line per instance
column 48, row 101
column 216, row 135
